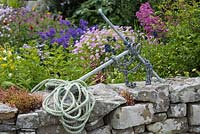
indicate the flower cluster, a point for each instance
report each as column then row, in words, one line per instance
column 5, row 29
column 4, row 11
column 95, row 40
column 65, row 32
column 153, row 25
column 21, row 25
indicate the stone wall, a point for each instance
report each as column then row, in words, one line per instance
column 172, row 107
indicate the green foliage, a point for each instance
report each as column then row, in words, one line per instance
column 61, row 63
column 13, row 3
column 120, row 12
column 180, row 55
column 65, row 7
column 29, row 66
column 21, row 25
column 23, row 68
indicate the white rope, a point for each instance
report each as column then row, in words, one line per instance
column 70, row 100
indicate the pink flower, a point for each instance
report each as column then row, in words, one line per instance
column 152, row 24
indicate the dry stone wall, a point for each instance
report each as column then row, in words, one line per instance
column 172, row 107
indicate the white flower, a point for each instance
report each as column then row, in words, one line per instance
column 18, row 57
column 10, row 75
column 4, row 58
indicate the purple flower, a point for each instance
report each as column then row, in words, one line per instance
column 65, row 22
column 83, row 24
column 63, row 36
column 152, row 24
column 51, row 32
column 43, row 35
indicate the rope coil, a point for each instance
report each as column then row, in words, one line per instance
column 70, row 100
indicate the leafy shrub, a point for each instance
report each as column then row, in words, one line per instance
column 13, row 3
column 62, row 64
column 23, row 68
column 180, row 55
column 65, row 7
column 20, row 99
column 30, row 65
column 119, row 11
column 22, row 25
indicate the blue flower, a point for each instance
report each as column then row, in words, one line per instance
column 43, row 35
column 83, row 24
column 51, row 32
column 65, row 22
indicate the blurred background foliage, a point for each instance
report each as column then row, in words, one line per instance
column 120, row 12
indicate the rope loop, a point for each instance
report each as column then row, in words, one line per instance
column 70, row 100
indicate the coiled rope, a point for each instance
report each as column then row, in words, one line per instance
column 70, row 100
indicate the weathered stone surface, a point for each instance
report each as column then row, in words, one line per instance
column 9, row 121
column 194, row 114
column 106, row 101
column 159, row 117
column 101, row 130
column 123, row 131
column 94, row 125
column 169, row 126
column 6, row 127
column 184, row 89
column 25, row 132
column 7, row 112
column 177, row 110
column 139, row 129
column 158, row 94
column 30, row 120
column 129, row 116
column 47, row 119
column 9, row 132
column 194, row 129
column 52, row 129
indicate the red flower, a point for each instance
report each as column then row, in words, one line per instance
column 31, row 27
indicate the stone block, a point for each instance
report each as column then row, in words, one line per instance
column 7, row 127
column 94, row 125
column 30, row 120
column 184, row 90
column 9, row 121
column 8, row 132
column 194, row 129
column 123, row 131
column 194, row 114
column 47, row 119
column 7, row 112
column 158, row 94
column 101, row 130
column 106, row 101
column 169, row 126
column 129, row 116
column 177, row 110
column 159, row 117
column 26, row 132
column 52, row 129
column 139, row 129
